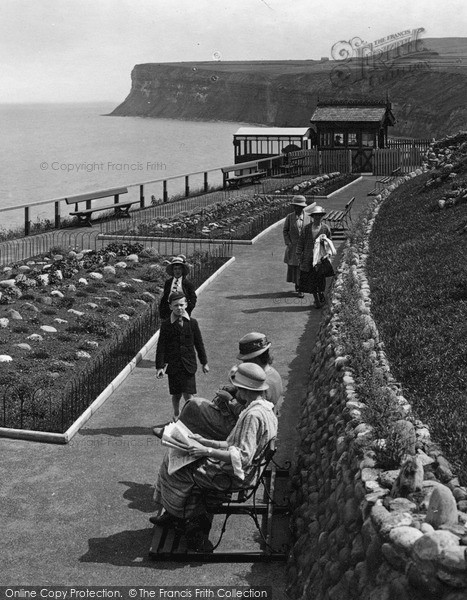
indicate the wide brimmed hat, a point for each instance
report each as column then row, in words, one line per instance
column 299, row 201
column 317, row 210
column 252, row 344
column 249, row 376
column 178, row 260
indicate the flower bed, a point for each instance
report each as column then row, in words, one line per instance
column 222, row 220
column 70, row 321
column 323, row 185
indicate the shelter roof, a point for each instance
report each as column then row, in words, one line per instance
column 349, row 114
column 275, row 131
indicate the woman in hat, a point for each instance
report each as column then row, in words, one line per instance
column 178, row 270
column 310, row 281
column 293, row 226
column 254, row 348
column 232, row 461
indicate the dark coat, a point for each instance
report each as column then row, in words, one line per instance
column 188, row 290
column 176, row 346
column 291, row 235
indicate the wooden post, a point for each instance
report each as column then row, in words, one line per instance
column 320, row 162
column 350, row 161
column 206, row 186
column 27, row 223
column 116, row 199
column 187, row 186
column 165, row 196
column 57, row 215
column 141, row 196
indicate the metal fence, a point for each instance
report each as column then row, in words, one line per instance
column 23, row 406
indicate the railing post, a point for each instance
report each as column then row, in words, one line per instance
column 206, row 187
column 187, row 186
column 141, row 196
column 27, row 223
column 57, row 215
column 165, row 196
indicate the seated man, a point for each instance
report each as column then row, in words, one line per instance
column 235, row 458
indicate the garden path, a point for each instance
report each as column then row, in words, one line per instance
column 78, row 514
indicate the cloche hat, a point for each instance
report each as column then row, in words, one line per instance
column 317, row 210
column 299, row 201
column 249, row 376
column 178, row 260
column 252, row 344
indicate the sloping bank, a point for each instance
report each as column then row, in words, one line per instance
column 365, row 528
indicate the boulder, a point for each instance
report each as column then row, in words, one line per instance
column 5, row 358
column 48, row 329
column 442, row 508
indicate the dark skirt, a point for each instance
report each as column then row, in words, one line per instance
column 293, row 274
column 182, row 382
column 311, row 282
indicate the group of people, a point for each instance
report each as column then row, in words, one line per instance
column 233, row 429
column 308, row 242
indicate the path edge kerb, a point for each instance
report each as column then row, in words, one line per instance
column 64, row 438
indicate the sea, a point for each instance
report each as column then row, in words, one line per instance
column 52, row 151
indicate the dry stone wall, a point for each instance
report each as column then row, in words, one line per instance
column 363, row 531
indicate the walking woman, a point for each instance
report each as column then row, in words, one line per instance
column 310, row 281
column 293, row 226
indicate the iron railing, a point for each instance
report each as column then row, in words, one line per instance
column 44, row 408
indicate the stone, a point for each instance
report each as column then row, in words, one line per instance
column 410, row 478
column 44, row 278
column 82, row 354
column 396, row 559
column 92, row 344
column 77, row 313
column 132, row 258
column 8, row 283
column 404, row 537
column 4, row 322
column 109, row 270
column 5, row 358
column 400, row 504
column 83, row 281
column 148, row 296
column 137, row 280
column 60, row 321
column 387, row 478
column 443, row 471
column 96, row 276
column 442, row 508
column 124, row 317
column 35, row 337
column 71, row 288
column 23, row 346
column 123, row 285
column 47, row 300
column 29, row 306
column 24, row 268
column 14, row 315
column 384, row 520
column 92, row 305
column 48, row 329
column 121, row 265
column 430, row 545
column 57, row 294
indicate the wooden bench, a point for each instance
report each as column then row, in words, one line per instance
column 339, row 219
column 121, row 209
column 384, row 181
column 237, row 180
column 258, row 501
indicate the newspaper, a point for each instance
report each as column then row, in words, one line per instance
column 177, row 437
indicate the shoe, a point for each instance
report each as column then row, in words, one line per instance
column 322, row 298
column 301, row 295
column 166, row 520
column 317, row 304
column 158, row 432
column 199, row 542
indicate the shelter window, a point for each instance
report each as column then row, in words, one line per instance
column 368, row 139
column 352, row 139
column 338, row 139
column 325, row 139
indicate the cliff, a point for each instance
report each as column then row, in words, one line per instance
column 427, row 87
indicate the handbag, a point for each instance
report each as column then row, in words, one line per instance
column 324, row 268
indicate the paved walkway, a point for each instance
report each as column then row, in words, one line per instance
column 78, row 514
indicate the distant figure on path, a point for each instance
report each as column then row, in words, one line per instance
column 178, row 270
column 179, row 338
column 310, row 281
column 293, row 226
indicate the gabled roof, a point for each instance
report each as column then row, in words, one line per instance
column 350, row 114
column 277, row 131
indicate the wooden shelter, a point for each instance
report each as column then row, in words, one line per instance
column 253, row 143
column 351, row 123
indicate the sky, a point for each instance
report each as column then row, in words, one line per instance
column 84, row 50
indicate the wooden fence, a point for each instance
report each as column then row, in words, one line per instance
column 407, row 143
column 383, row 160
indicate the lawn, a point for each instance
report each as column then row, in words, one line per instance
column 417, row 268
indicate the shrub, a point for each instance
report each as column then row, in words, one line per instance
column 95, row 324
